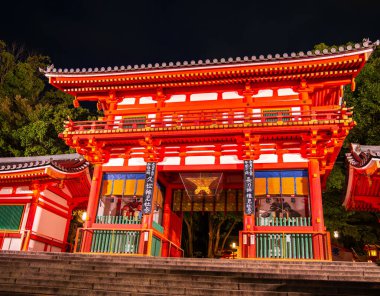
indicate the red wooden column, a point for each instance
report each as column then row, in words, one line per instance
column 36, row 189
column 248, row 247
column 166, row 220
column 150, row 192
column 92, row 206
column 316, row 208
column 251, row 152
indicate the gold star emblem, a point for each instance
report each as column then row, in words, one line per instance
column 203, row 184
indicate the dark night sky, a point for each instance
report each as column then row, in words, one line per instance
column 108, row 33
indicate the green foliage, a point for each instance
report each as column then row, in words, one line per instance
column 356, row 228
column 366, row 102
column 31, row 112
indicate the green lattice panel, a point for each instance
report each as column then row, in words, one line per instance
column 10, row 217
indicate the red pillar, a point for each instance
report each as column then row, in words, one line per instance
column 92, row 206
column 248, row 246
column 166, row 220
column 32, row 212
column 147, row 222
column 316, row 208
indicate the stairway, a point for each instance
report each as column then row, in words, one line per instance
column 35, row 273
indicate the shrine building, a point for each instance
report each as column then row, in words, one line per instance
column 257, row 136
column 363, row 186
column 37, row 197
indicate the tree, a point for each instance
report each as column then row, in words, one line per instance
column 31, row 111
column 356, row 228
column 220, row 226
column 366, row 102
column 190, row 220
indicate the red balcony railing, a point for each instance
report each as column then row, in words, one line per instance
column 222, row 119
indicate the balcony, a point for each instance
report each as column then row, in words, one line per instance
column 202, row 120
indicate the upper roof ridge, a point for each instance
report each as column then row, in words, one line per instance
column 366, row 43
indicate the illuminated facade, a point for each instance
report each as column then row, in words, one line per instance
column 363, row 186
column 254, row 135
column 37, row 197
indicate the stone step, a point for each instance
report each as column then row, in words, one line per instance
column 83, row 274
column 22, row 289
column 216, row 263
column 88, row 281
column 28, row 290
column 77, row 267
column 10, row 289
column 295, row 285
column 251, row 276
column 112, row 288
column 109, row 258
column 258, row 275
column 104, row 265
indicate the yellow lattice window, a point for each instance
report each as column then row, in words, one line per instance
column 274, row 115
column 134, row 121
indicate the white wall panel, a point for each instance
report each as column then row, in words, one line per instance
column 204, row 97
column 12, row 244
column 50, row 224
column 229, row 159
column 293, row 157
column 115, row 162
column 136, row 161
column 267, row 158
column 171, row 161
column 36, row 246
column 200, row 160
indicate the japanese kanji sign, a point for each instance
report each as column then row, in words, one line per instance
column 249, row 187
column 149, row 187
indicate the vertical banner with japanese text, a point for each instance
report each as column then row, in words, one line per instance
column 249, row 187
column 149, row 188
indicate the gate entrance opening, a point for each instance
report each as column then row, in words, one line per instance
column 210, row 205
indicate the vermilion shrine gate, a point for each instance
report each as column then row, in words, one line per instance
column 256, row 135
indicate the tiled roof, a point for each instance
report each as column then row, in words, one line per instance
column 361, row 155
column 215, row 62
column 69, row 163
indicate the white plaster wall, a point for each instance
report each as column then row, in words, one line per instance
column 176, row 99
column 229, row 95
column 12, row 244
column 200, row 160
column 147, row 100
column 229, row 159
column 204, row 97
column 54, row 249
column 286, row 92
column 24, row 190
column 36, row 246
column 293, row 157
column 49, row 224
column 136, row 161
column 171, row 161
column 6, row 190
column 267, row 158
column 127, row 101
column 54, row 197
column 115, row 162
column 264, row 93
